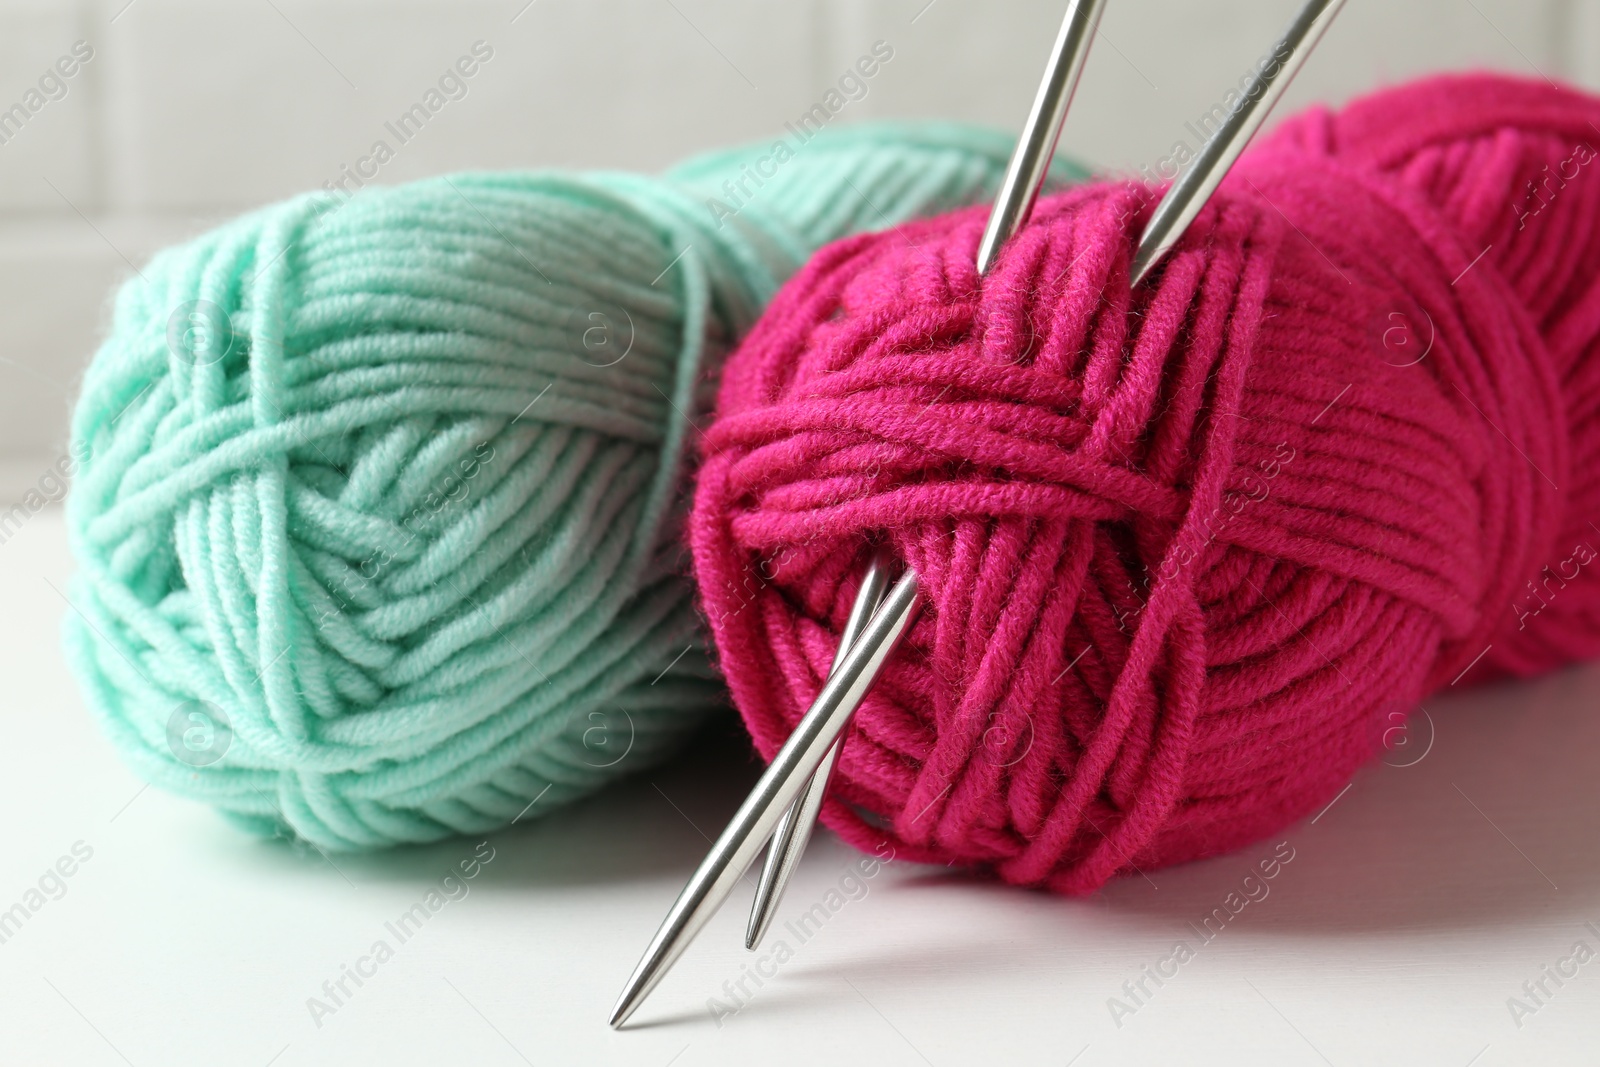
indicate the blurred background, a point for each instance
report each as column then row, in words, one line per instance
column 188, row 111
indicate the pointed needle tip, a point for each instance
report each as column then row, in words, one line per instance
column 620, row 1013
column 760, row 919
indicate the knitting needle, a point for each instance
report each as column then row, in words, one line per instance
column 1019, row 189
column 802, row 754
column 1018, row 192
column 1030, row 160
column 758, row 816
column 794, row 829
column 1194, row 187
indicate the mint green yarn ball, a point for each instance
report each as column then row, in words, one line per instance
column 376, row 528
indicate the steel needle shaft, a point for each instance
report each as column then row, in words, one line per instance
column 794, row 829
column 1194, row 186
column 756, row 818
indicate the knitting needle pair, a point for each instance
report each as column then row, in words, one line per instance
column 784, row 805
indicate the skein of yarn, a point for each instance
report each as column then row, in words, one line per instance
column 1185, row 551
column 376, row 524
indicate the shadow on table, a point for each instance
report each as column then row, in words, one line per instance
column 1496, row 822
column 635, row 828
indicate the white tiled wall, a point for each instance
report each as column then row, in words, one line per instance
column 191, row 110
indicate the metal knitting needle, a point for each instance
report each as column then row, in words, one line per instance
column 803, row 753
column 1019, row 189
column 794, row 829
column 1194, row 187
column 756, row 818
column 1030, row 160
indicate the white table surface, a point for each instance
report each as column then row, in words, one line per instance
column 1413, row 909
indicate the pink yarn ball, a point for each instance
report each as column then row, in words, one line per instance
column 1186, row 551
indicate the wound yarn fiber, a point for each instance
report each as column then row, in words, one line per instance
column 377, row 529
column 1188, row 552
